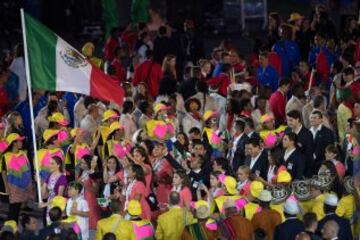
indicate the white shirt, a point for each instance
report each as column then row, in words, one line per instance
column 233, row 149
column 315, row 130
column 271, row 173
column 287, row 154
column 254, row 160
column 83, row 222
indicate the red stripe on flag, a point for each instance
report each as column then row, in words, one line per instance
column 103, row 88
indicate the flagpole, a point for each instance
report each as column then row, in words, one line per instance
column 27, row 72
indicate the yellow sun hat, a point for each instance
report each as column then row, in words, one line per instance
column 13, row 137
column 209, row 114
column 256, row 188
column 12, row 224
column 230, row 183
column 59, row 201
column 200, row 203
column 109, row 114
column 88, row 49
column 49, row 133
column 266, row 118
column 283, row 177
column 160, row 107
column 134, row 208
column 58, row 118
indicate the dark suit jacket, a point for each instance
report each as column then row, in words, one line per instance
column 306, row 146
column 53, row 228
column 288, row 229
column 323, row 138
column 344, row 224
column 261, row 166
column 295, row 165
column 239, row 156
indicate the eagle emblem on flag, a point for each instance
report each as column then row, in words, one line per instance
column 73, row 58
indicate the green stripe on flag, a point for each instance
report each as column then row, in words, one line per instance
column 41, row 44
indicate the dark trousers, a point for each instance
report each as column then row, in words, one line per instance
column 14, row 211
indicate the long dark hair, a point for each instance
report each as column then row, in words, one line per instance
column 139, row 173
column 59, row 162
column 184, row 177
column 118, row 165
column 336, row 185
column 143, row 153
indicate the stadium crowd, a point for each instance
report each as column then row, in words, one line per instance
column 224, row 147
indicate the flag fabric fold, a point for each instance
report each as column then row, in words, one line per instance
column 57, row 66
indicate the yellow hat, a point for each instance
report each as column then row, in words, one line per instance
column 12, row 224
column 115, row 126
column 201, row 203
column 266, row 118
column 59, row 201
column 108, row 114
column 230, row 184
column 13, row 137
column 74, row 132
column 283, row 177
column 49, row 133
column 160, row 107
column 134, row 208
column 88, row 49
column 58, row 118
column 209, row 114
column 256, row 188
column 295, row 16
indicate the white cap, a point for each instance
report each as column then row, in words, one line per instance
column 265, row 196
column 291, row 207
column 331, row 200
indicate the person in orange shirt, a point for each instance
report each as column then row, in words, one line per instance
column 268, row 218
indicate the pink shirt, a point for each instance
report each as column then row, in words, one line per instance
column 185, row 197
column 139, row 188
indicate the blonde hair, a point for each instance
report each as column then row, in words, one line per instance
column 246, row 169
column 203, row 62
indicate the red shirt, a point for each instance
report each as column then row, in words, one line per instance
column 355, row 89
column 277, row 104
column 322, row 67
column 120, row 71
column 222, row 82
column 4, row 101
column 150, row 74
column 109, row 48
column 275, row 61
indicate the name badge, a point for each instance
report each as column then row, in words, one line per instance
column 290, row 166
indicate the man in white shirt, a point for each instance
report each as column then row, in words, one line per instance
column 257, row 161
column 90, row 122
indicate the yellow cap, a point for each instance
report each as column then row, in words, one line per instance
column 12, row 224
column 59, row 201
column 74, row 132
column 295, row 16
column 108, row 114
column 58, row 118
column 160, row 107
column 13, row 137
column 256, row 188
column 201, row 203
column 209, row 114
column 88, row 49
column 266, row 118
column 283, row 177
column 49, row 133
column 230, row 184
column 134, row 208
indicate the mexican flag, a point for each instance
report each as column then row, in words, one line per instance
column 56, row 66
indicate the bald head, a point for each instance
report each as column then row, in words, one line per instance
column 303, row 236
column 174, row 198
column 330, row 230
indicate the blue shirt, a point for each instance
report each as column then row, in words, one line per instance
column 316, row 50
column 71, row 99
column 268, row 76
column 290, row 55
column 217, row 70
column 12, row 86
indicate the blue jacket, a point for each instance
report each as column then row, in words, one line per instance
column 71, row 99
column 268, row 76
column 315, row 51
column 217, row 70
column 290, row 55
